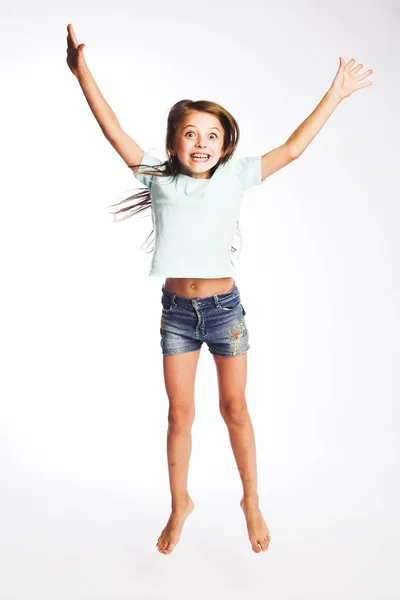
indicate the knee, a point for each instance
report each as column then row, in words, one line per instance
column 180, row 418
column 234, row 411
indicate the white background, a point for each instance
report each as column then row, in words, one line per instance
column 84, row 479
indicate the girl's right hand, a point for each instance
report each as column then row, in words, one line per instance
column 75, row 58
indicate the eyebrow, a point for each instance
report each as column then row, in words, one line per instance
column 195, row 126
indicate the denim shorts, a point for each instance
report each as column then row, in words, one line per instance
column 217, row 320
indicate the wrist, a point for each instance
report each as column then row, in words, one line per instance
column 334, row 95
column 83, row 73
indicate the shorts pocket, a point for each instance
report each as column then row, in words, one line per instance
column 229, row 303
column 166, row 302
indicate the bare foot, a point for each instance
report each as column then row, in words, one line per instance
column 171, row 533
column 258, row 531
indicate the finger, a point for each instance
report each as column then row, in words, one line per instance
column 71, row 32
column 70, row 43
column 356, row 69
column 362, row 85
column 361, row 77
column 350, row 63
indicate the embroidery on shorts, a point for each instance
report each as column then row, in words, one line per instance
column 237, row 334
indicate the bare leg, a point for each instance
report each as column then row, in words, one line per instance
column 179, row 375
column 241, row 435
column 232, row 375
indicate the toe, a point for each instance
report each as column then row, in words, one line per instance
column 256, row 548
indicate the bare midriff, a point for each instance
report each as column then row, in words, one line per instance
column 198, row 288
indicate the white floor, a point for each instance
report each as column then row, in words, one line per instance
column 63, row 542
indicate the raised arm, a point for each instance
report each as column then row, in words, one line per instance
column 346, row 82
column 126, row 147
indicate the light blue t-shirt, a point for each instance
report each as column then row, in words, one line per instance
column 195, row 219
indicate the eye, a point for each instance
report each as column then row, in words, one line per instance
column 192, row 132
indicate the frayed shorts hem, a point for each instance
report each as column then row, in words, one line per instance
column 229, row 355
column 185, row 350
column 180, row 351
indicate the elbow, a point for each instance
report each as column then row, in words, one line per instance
column 293, row 149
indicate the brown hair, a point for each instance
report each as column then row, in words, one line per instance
column 142, row 198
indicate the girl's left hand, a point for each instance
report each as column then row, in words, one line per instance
column 346, row 79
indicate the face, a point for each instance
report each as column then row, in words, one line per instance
column 198, row 133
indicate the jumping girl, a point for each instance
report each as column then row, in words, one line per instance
column 195, row 197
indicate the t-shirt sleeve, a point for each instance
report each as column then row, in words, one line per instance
column 148, row 159
column 248, row 170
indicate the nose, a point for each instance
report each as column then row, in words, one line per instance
column 199, row 144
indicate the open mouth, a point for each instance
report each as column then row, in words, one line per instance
column 199, row 157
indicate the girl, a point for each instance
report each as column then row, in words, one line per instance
column 195, row 197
